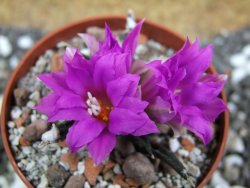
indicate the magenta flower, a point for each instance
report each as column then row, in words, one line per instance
column 181, row 94
column 99, row 94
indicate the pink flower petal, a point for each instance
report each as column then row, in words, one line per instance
column 129, row 44
column 70, row 101
column 125, row 86
column 78, row 80
column 162, row 110
column 101, row 147
column 83, row 132
column 148, row 128
column 193, row 120
column 104, row 71
column 124, row 122
column 77, row 114
column 74, row 58
column 55, row 81
column 91, row 42
column 134, row 104
column 48, row 104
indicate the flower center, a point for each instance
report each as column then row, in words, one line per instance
column 97, row 108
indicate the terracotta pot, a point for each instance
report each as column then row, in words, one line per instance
column 152, row 30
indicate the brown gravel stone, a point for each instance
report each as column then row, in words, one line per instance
column 132, row 182
column 21, row 96
column 108, row 166
column 26, row 114
column 75, row 182
column 187, row 144
column 142, row 39
column 19, row 122
column 92, row 171
column 124, row 147
column 34, row 131
column 146, row 186
column 71, row 159
column 139, row 167
column 57, row 176
column 119, row 180
column 56, row 63
column 24, row 142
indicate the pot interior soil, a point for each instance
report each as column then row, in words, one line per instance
column 53, row 165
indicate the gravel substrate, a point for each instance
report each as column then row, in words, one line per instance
column 14, row 43
column 228, row 47
column 232, row 55
column 53, row 165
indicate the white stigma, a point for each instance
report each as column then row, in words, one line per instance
column 94, row 108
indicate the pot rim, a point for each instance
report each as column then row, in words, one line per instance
column 52, row 35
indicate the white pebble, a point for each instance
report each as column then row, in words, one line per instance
column 183, row 152
column 238, row 75
column 246, row 50
column 238, row 60
column 235, row 143
column 5, row 46
column 11, row 124
column 31, row 104
column 30, row 165
column 130, row 23
column 86, row 185
column 51, row 135
column 117, row 169
column 193, row 170
column 218, row 181
column 27, row 150
column 86, row 52
column 160, row 185
column 64, row 165
column 21, row 130
column 16, row 112
column 14, row 62
column 15, row 141
column 12, row 137
column 3, row 182
column 33, row 117
column 17, row 182
column 25, row 42
column 233, row 160
column 43, row 182
column 103, row 183
column 81, row 167
column 232, row 107
column 113, row 186
column 174, row 144
column 44, row 117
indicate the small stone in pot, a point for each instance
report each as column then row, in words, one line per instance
column 57, row 175
column 75, row 182
column 21, row 96
column 34, row 131
column 139, row 167
column 124, row 147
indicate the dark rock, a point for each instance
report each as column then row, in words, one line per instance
column 124, row 147
column 139, row 167
column 57, row 175
column 21, row 96
column 75, row 182
column 35, row 130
